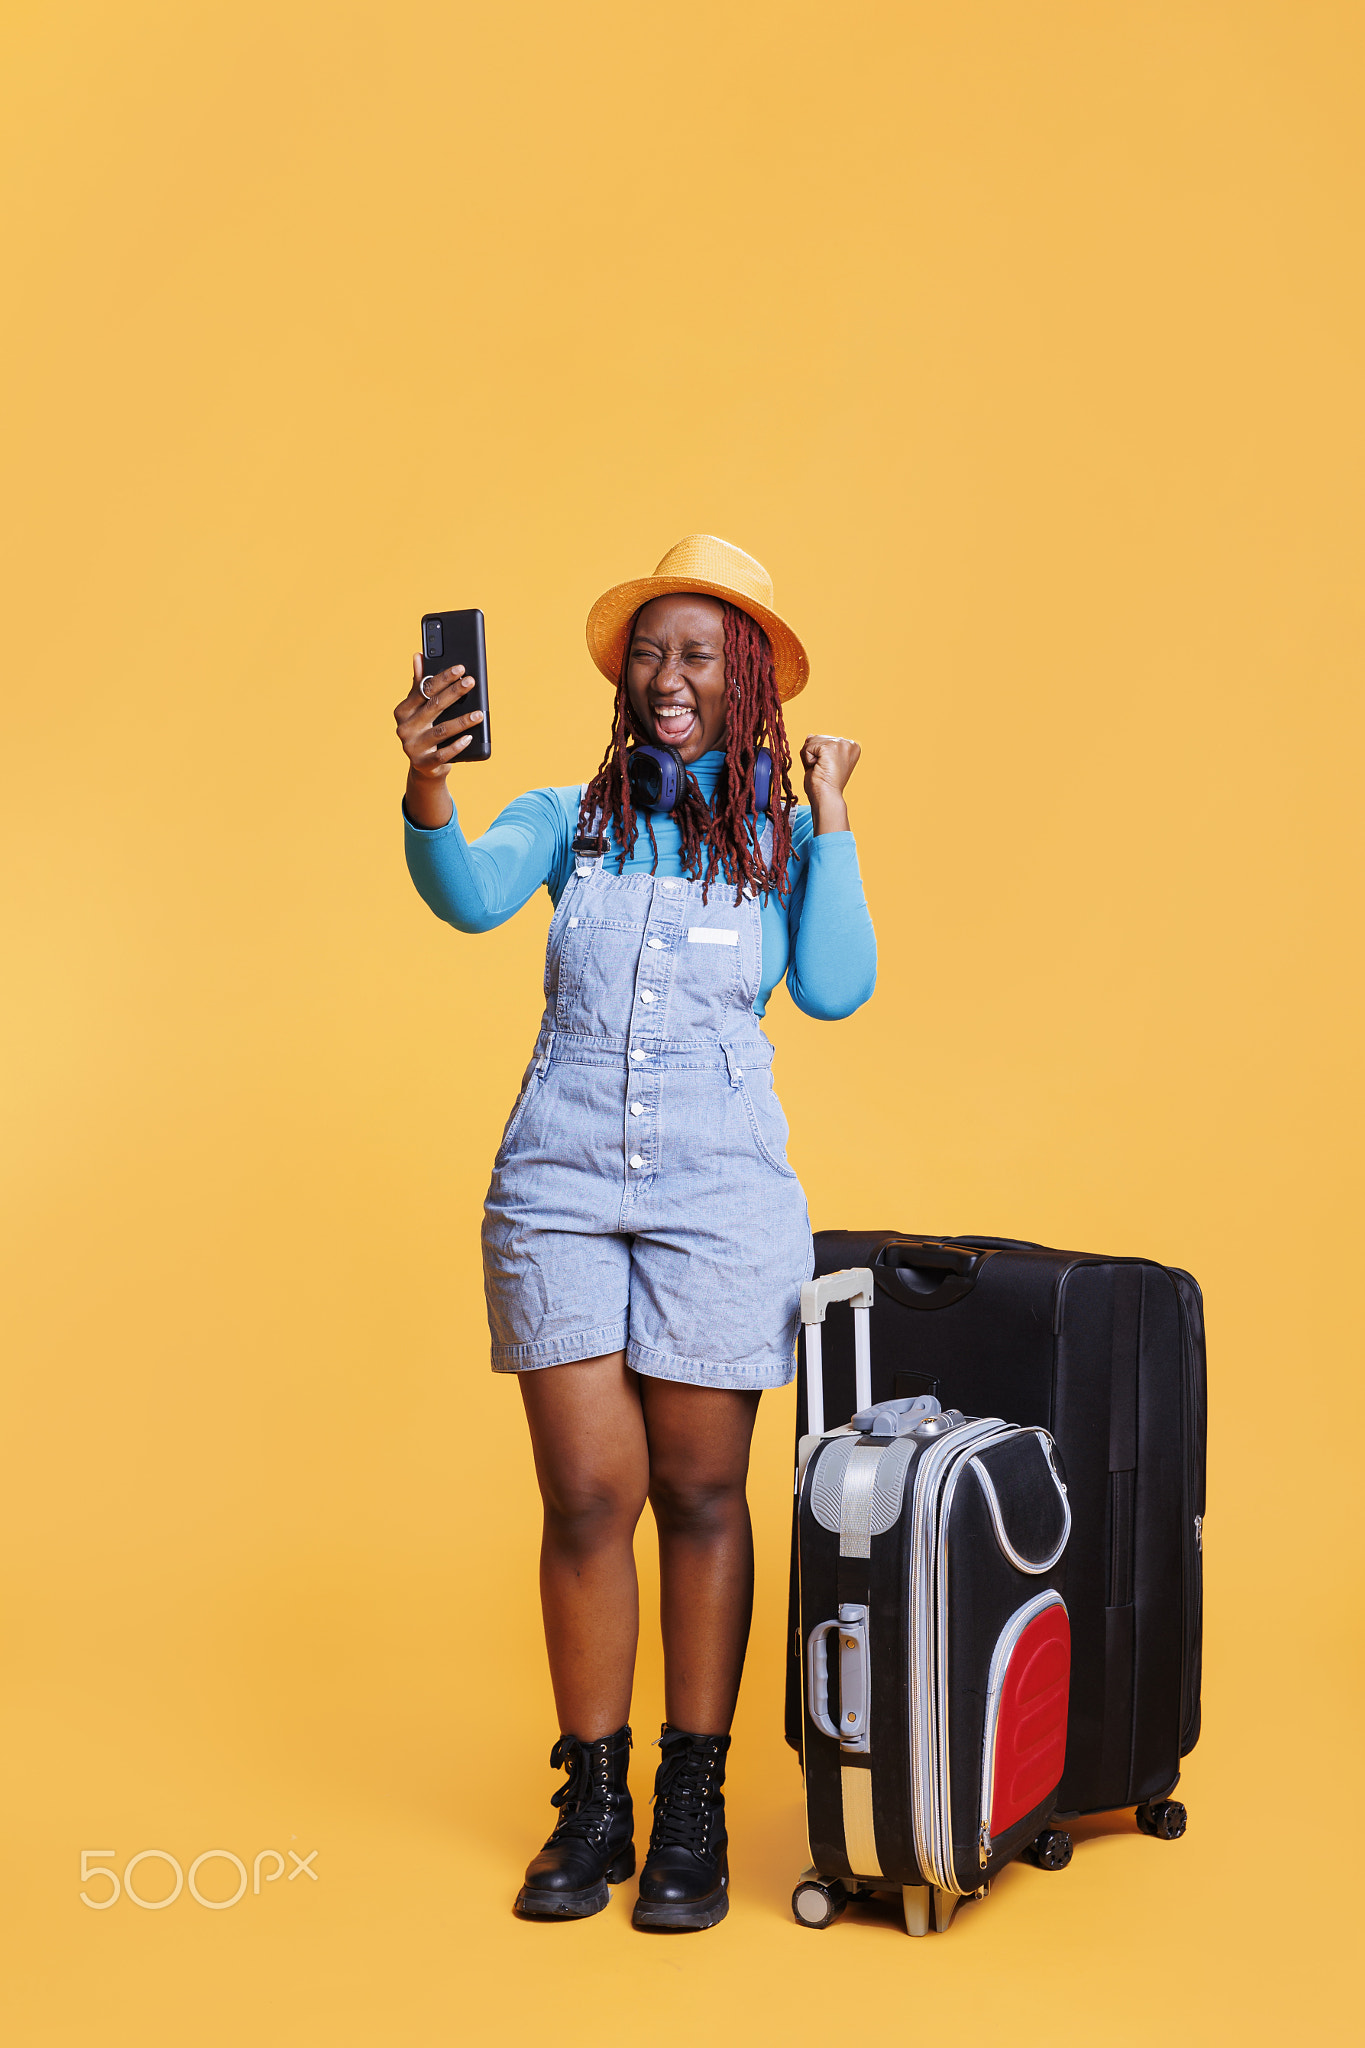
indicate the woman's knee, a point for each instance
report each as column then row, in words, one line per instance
column 585, row 1512
column 700, row 1509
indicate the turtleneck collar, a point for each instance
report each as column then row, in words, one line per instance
column 708, row 769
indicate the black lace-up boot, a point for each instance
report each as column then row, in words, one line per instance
column 592, row 1845
column 684, row 1883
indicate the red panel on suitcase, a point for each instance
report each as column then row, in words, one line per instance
column 1030, row 1736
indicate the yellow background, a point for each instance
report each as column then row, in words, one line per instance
column 1023, row 343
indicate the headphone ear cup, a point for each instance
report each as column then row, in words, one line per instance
column 644, row 772
column 674, row 778
column 763, row 778
column 658, row 777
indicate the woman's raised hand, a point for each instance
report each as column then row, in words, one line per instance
column 828, row 762
column 431, row 748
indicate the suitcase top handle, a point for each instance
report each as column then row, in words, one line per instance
column 927, row 1275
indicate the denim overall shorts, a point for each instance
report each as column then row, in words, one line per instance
column 641, row 1198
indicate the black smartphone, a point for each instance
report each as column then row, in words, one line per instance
column 448, row 638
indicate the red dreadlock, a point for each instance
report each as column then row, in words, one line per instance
column 728, row 832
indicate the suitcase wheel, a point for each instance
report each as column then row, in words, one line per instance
column 1049, row 1851
column 1164, row 1818
column 818, row 1901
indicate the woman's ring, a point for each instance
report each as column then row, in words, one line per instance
column 422, row 686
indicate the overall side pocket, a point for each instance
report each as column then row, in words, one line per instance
column 529, row 1081
column 764, row 1109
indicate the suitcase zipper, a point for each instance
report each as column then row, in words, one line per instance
column 1034, row 1567
column 938, row 1469
column 1192, row 1516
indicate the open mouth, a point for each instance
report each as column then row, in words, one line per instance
column 674, row 723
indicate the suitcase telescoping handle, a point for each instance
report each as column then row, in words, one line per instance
column 855, row 1285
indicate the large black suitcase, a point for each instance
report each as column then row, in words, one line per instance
column 1107, row 1355
column 935, row 1644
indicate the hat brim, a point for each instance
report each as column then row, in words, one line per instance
column 609, row 622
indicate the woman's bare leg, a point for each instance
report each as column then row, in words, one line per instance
column 592, row 1462
column 698, row 1463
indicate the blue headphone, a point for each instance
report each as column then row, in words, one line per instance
column 658, row 777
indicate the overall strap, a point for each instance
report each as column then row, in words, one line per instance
column 545, row 1045
column 763, row 839
column 586, row 856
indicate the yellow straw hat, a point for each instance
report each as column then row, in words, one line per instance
column 713, row 568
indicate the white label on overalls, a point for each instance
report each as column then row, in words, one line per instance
column 710, row 935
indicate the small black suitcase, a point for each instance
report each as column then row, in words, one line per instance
column 1107, row 1355
column 935, row 1643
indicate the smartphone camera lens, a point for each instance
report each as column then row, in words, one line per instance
column 432, row 646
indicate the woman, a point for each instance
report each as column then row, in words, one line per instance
column 644, row 1237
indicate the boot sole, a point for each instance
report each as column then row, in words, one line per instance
column 684, row 1916
column 535, row 1902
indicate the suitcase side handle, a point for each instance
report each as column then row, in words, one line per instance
column 854, row 1687
column 853, row 1285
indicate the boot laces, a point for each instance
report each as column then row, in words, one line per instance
column 685, row 1799
column 584, row 1800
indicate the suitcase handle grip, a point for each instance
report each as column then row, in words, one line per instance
column 817, row 1686
column 850, row 1732
column 853, row 1284
column 957, row 1266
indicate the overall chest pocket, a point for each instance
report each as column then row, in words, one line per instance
column 710, row 966
column 595, row 974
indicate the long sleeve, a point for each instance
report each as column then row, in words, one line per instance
column 833, row 963
column 821, row 937
column 476, row 885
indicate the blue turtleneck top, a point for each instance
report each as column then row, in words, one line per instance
column 820, row 937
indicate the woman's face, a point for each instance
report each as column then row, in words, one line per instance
column 675, row 677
